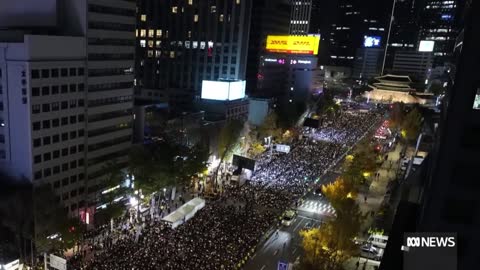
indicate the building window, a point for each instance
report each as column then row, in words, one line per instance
column 195, row 18
column 46, row 124
column 64, row 72
column 174, row 9
column 35, row 74
column 45, row 91
column 46, row 107
column 64, row 89
column 143, row 43
column 55, row 138
column 55, row 90
column 143, row 33
column 46, row 140
column 151, row 33
column 143, row 17
column 55, row 73
column 45, row 73
column 35, row 91
column 190, row 2
column 73, row 72
column 150, row 43
column 81, row 71
column 37, row 142
column 159, row 33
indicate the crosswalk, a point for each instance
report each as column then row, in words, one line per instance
column 318, row 207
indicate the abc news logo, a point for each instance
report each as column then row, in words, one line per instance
column 432, row 242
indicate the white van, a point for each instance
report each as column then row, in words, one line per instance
column 378, row 240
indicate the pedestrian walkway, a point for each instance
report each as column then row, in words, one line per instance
column 371, row 200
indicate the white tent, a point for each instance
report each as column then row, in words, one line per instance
column 184, row 212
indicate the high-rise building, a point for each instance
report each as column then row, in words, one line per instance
column 74, row 111
column 405, row 25
column 179, row 44
column 439, row 22
column 300, row 17
column 356, row 19
column 412, row 63
column 268, row 18
column 42, row 112
column 405, row 29
column 368, row 63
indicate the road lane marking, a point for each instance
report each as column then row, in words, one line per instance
column 298, row 225
column 263, row 267
column 295, row 249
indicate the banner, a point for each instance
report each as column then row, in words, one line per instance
column 293, row 44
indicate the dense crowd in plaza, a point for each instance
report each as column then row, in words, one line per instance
column 227, row 229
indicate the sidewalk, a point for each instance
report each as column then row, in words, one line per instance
column 378, row 188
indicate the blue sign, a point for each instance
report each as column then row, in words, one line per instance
column 282, row 265
column 371, row 41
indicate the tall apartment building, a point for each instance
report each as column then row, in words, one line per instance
column 77, row 80
column 440, row 23
column 181, row 43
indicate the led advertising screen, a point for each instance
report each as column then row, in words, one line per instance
column 293, row 44
column 371, row 41
column 223, row 90
column 426, row 46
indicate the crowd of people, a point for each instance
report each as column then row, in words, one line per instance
column 227, row 229
column 346, row 128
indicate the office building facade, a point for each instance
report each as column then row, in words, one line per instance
column 368, row 63
column 42, row 109
column 355, row 20
column 268, row 18
column 180, row 44
column 440, row 22
column 415, row 64
column 77, row 80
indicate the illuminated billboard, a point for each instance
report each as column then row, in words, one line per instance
column 293, row 44
column 426, row 46
column 223, row 90
column 371, row 41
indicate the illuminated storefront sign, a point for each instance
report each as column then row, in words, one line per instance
column 293, row 44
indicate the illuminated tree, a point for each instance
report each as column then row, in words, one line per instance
column 331, row 245
column 336, row 192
